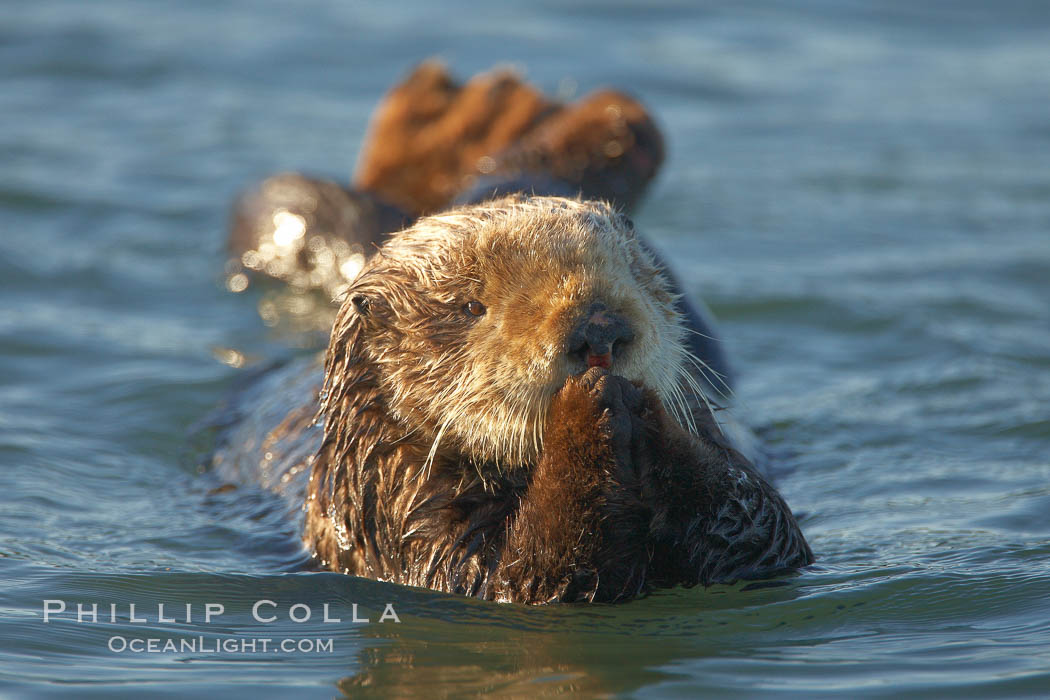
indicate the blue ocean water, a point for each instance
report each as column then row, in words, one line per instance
column 859, row 190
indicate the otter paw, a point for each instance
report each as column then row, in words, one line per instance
column 617, row 406
column 610, row 391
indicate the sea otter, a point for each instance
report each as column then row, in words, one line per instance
column 510, row 411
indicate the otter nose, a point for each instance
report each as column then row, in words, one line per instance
column 598, row 335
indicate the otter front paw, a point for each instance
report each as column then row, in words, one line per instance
column 601, row 410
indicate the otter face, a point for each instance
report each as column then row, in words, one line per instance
column 473, row 319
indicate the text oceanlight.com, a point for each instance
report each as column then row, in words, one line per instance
column 120, row 644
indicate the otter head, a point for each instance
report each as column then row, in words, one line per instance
column 469, row 322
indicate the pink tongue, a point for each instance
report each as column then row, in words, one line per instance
column 599, row 360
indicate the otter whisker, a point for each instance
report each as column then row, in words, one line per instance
column 700, row 392
column 433, row 448
column 681, row 410
column 538, row 419
column 702, row 335
column 703, row 368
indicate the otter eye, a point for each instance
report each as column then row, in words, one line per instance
column 474, row 308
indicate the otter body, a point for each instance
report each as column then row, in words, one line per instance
column 513, row 407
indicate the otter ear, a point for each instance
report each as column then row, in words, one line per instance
column 362, row 304
column 368, row 295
